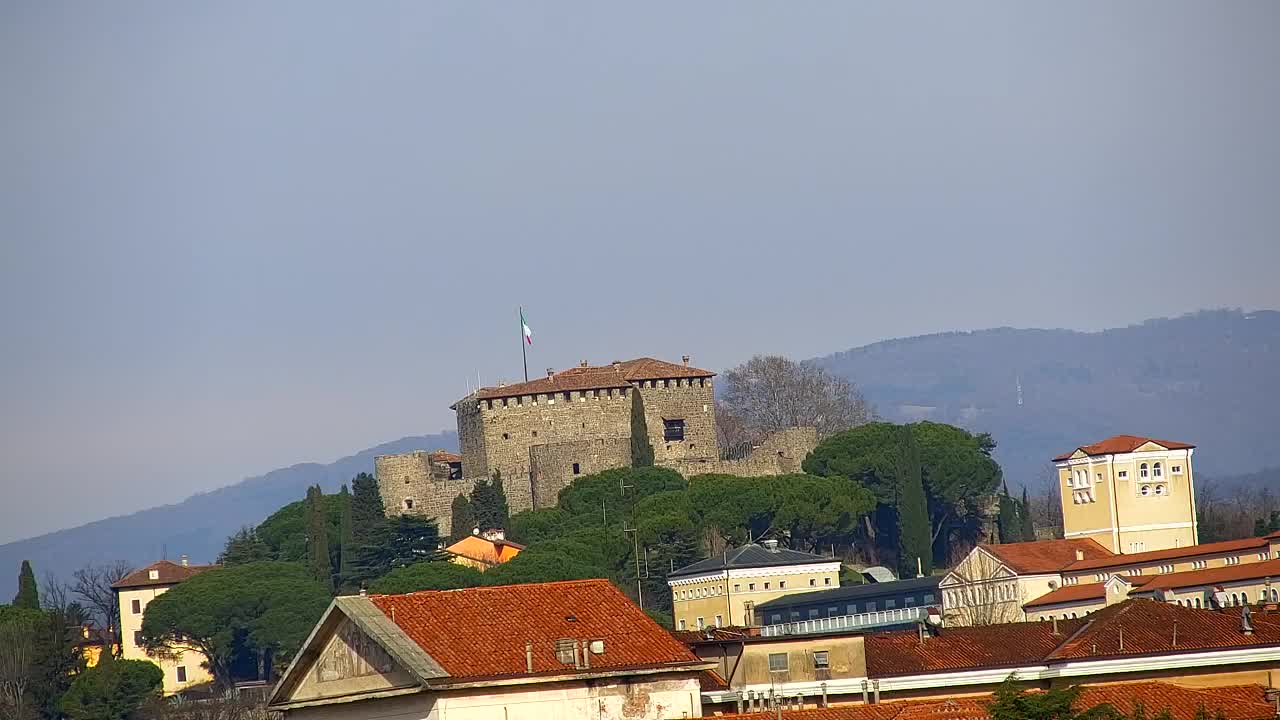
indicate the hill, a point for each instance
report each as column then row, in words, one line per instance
column 1211, row 378
column 197, row 526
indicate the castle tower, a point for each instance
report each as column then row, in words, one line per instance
column 1131, row 494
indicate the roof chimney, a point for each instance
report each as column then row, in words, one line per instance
column 617, row 363
column 184, row 560
column 551, row 372
column 770, row 545
column 582, row 364
column 685, row 358
column 1079, row 554
column 528, row 657
column 1246, row 621
column 1055, row 624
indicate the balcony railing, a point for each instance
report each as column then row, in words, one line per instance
column 860, row 621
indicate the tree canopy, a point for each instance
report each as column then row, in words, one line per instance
column 431, row 575
column 28, row 594
column 489, row 508
column 112, row 689
column 262, row 608
column 769, row 393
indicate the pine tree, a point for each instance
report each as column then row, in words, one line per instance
column 489, row 503
column 244, row 547
column 346, row 539
column 367, row 513
column 1028, row 523
column 462, row 518
column 318, row 537
column 28, row 595
column 641, row 449
column 914, row 537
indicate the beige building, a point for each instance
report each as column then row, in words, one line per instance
column 182, row 667
column 1131, row 494
column 546, row 651
column 725, row 590
column 541, row 434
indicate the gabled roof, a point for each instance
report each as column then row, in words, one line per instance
column 1117, row 444
column 751, row 556
column 1237, row 702
column 482, row 549
column 1046, row 556
column 481, row 633
column 1215, row 576
column 1070, row 594
column 167, row 573
column 1191, row 551
column 595, row 377
column 965, row 648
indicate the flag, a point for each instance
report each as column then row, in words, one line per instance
column 528, row 333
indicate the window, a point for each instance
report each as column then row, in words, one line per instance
column 782, row 584
column 1175, row 469
column 1197, row 602
column 720, row 620
column 766, row 586
column 1233, row 560
column 182, row 673
column 700, row 623
column 871, row 606
column 890, row 604
column 851, row 609
column 812, row 582
column 577, row 469
column 1100, row 577
column 137, row 638
column 909, row 601
column 1145, row 490
column 153, row 574
column 821, row 659
column 1235, row 599
column 408, row 503
column 682, row 625
column 813, row 613
column 1166, row 568
column 826, row 581
column 136, row 606
column 1156, row 471
column 777, row 662
column 1244, row 596
column 1123, row 474
column 928, row 598
column 1198, row 564
column 1143, row 472
column 1264, row 555
column 535, row 433
column 1161, row 489
column 1072, row 580
column 672, row 430
column 506, row 436
column 833, row 611
column 751, row 587
column 737, row 587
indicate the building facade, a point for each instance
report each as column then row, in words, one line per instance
column 726, row 589
column 542, row 434
column 1131, row 494
column 182, row 667
column 483, row 550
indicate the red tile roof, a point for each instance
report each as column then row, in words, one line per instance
column 595, row 377
column 1117, row 444
column 1111, row 561
column 1046, row 556
column 481, row 632
column 1006, row 645
column 715, row 635
column 168, row 573
column 444, row 456
column 482, row 549
column 1214, row 576
column 1237, row 702
column 1071, row 594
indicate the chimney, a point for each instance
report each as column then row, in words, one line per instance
column 1246, row 620
column 184, row 560
column 1079, row 554
column 551, row 373
column 685, row 358
column 617, row 363
column 586, row 654
column 1175, row 633
column 1055, row 624
column 494, row 535
column 528, row 657
column 582, row 364
column 770, row 545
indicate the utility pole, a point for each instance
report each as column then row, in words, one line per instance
column 641, row 576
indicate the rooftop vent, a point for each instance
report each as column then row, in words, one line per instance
column 582, row 364
column 153, row 574
column 770, row 545
column 1079, row 554
column 551, row 373
column 685, row 358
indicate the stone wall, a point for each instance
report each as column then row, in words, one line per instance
column 411, row 484
column 553, row 467
column 780, row 454
column 687, row 399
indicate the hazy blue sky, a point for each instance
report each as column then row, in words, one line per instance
column 235, row 236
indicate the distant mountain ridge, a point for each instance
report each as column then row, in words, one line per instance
column 197, row 526
column 1211, row 378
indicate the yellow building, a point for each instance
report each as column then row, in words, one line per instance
column 483, row 550
column 182, row 667
column 725, row 590
column 1131, row 494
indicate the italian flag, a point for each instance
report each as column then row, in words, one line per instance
column 528, row 332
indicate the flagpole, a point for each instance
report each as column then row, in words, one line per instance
column 524, row 354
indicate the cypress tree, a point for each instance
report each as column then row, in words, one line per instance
column 462, row 518
column 489, row 503
column 1028, row 523
column 318, row 535
column 346, row 539
column 914, row 537
column 367, row 513
column 28, row 595
column 641, row 449
column 1007, row 523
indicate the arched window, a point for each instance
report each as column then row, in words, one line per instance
column 1244, row 596
column 1142, row 470
column 1274, row 595
column 1156, row 471
column 1197, row 602
column 1235, row 599
column 1144, row 490
column 1161, row 489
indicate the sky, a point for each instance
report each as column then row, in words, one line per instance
column 236, row 236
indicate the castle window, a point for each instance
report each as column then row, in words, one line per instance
column 673, row 430
column 1142, row 471
column 506, row 436
column 566, row 397
column 535, row 433
column 666, row 383
column 1156, row 471
column 406, row 479
column 408, row 503
column 489, row 403
column 576, row 469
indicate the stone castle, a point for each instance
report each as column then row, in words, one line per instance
column 543, row 433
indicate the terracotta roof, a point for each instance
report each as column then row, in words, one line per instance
column 478, row 633
column 482, row 549
column 1006, row 645
column 715, row 635
column 1146, row 627
column 1214, row 576
column 1117, row 444
column 1237, row 702
column 751, row 556
column 168, row 573
column 1110, row 561
column 595, row 377
column 444, row 456
column 1044, row 556
column 1071, row 594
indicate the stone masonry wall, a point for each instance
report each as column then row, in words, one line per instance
column 688, row 399
column 780, row 454
column 410, row 477
column 552, row 466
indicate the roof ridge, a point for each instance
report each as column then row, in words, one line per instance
column 1088, row 623
column 581, row 581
